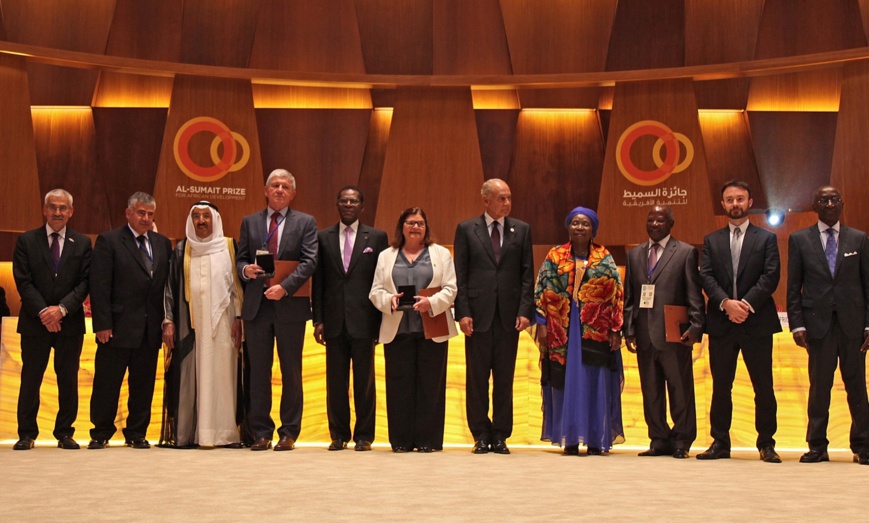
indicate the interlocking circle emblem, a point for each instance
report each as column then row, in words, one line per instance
column 223, row 163
column 667, row 139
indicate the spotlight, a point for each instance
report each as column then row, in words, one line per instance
column 775, row 217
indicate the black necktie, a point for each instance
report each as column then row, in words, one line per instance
column 496, row 241
column 146, row 256
column 55, row 250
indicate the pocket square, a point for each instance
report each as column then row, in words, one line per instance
column 367, row 249
column 850, row 254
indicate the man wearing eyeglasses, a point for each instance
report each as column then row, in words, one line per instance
column 50, row 265
column 345, row 320
column 828, row 313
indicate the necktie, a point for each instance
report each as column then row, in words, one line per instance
column 734, row 256
column 146, row 256
column 831, row 249
column 348, row 247
column 653, row 257
column 55, row 250
column 273, row 233
column 496, row 241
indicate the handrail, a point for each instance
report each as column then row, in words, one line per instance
column 136, row 66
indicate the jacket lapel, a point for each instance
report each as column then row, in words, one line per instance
column 45, row 250
column 133, row 246
column 818, row 248
column 482, row 233
column 362, row 238
column 665, row 258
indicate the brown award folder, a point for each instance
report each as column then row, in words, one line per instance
column 284, row 268
column 675, row 316
column 433, row 326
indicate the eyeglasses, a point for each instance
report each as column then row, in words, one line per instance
column 421, row 225
column 348, row 201
column 831, row 200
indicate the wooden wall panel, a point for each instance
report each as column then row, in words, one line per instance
column 218, row 32
column 299, row 35
column 814, row 91
column 793, row 146
column 66, row 156
column 266, row 96
column 469, row 38
column 2, row 26
column 148, row 30
column 727, row 140
column 562, row 36
column 647, row 35
column 128, row 143
column 851, row 152
column 371, row 174
column 231, row 103
column 557, row 164
column 129, row 90
column 726, row 94
column 864, row 11
column 791, row 28
column 432, row 160
column 579, row 98
column 396, row 36
column 622, row 201
column 52, row 85
column 19, row 176
column 497, row 134
column 322, row 148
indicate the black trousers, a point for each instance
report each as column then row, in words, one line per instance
column 416, row 382
column 490, row 353
column 668, row 373
column 109, row 367
column 757, row 354
column 35, row 352
column 261, row 334
column 824, row 355
column 341, row 352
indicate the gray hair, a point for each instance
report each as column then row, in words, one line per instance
column 489, row 185
column 58, row 193
column 141, row 197
column 281, row 173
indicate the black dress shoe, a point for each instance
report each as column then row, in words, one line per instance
column 261, row 444
column 653, row 451
column 594, row 451
column 98, row 444
column 862, row 457
column 571, row 450
column 499, row 446
column 400, row 449
column 338, row 444
column 481, row 446
column 814, row 456
column 23, row 444
column 362, row 445
column 235, row 445
column 680, row 453
column 769, row 455
column 716, row 451
column 424, row 448
column 285, row 443
column 138, row 443
column 68, row 443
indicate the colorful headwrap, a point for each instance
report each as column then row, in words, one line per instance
column 588, row 213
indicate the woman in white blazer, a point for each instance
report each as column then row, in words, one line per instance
column 415, row 366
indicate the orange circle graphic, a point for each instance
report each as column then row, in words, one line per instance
column 666, row 139
column 224, row 163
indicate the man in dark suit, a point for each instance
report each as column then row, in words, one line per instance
column 271, row 312
column 345, row 321
column 828, row 314
column 663, row 271
column 128, row 274
column 495, row 302
column 50, row 265
column 740, row 316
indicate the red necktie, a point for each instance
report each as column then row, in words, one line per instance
column 273, row 234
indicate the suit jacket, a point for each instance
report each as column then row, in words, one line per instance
column 757, row 278
column 677, row 282
column 40, row 287
column 483, row 283
column 383, row 288
column 125, row 296
column 813, row 293
column 298, row 242
column 340, row 299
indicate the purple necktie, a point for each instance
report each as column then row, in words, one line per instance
column 55, row 250
column 348, row 247
column 653, row 258
column 496, row 241
column 831, row 249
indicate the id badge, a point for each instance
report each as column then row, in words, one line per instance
column 647, row 296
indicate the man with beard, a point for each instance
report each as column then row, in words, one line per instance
column 740, row 269
column 828, row 293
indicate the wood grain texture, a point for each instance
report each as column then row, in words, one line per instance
column 432, row 160
column 557, row 164
column 791, row 28
column 371, row 174
column 322, row 148
column 149, row 30
column 562, row 36
column 647, row 35
column 792, row 146
column 496, row 130
column 218, row 32
column 720, row 31
column 396, row 36
column 300, row 35
column 851, row 151
column 292, row 97
column 727, row 139
column 128, row 90
column 469, row 38
column 19, row 176
column 812, row 91
column 579, row 98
